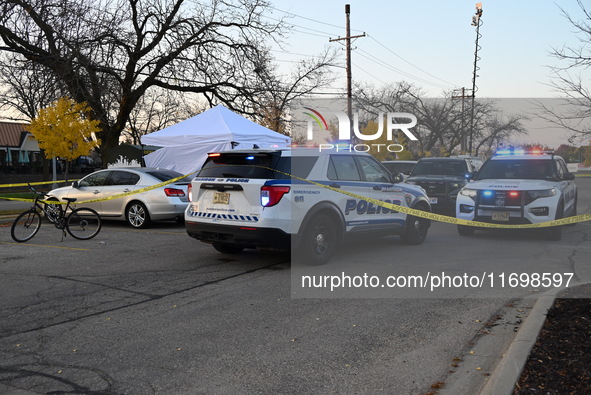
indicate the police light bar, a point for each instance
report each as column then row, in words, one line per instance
column 521, row 151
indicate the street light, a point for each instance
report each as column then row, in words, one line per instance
column 476, row 21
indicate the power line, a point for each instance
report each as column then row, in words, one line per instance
column 412, row 64
column 404, row 73
column 312, row 20
column 446, row 84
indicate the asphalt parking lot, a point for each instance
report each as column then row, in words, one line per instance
column 154, row 311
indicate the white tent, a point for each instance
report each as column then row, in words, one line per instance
column 187, row 143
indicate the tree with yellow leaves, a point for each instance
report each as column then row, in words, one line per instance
column 63, row 130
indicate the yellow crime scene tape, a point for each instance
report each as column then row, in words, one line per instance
column 24, row 184
column 118, row 196
column 444, row 218
column 390, row 206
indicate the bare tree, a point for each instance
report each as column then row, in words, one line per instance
column 496, row 129
column 108, row 53
column 574, row 111
column 26, row 87
column 157, row 109
column 439, row 128
column 280, row 91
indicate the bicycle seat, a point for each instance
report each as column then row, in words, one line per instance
column 71, row 200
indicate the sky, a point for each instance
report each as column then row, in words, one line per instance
column 431, row 42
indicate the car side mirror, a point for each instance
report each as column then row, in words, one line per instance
column 75, row 184
column 397, row 178
column 568, row 176
column 406, row 172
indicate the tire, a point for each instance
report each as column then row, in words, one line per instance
column 25, row 226
column 83, row 223
column 55, row 209
column 554, row 233
column 227, row 248
column 319, row 241
column 137, row 215
column 416, row 229
column 464, row 230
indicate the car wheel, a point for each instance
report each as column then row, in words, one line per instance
column 555, row 232
column 416, row 228
column 464, row 230
column 227, row 248
column 137, row 215
column 319, row 241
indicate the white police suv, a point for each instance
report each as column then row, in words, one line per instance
column 517, row 187
column 259, row 198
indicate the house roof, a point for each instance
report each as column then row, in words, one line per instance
column 12, row 134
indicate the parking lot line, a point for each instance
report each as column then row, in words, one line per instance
column 45, row 245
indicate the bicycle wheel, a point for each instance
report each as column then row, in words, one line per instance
column 83, row 223
column 25, row 226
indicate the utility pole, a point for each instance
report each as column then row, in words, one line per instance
column 461, row 94
column 348, row 49
column 476, row 21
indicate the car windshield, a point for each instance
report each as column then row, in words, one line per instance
column 165, row 175
column 257, row 166
column 440, row 168
column 536, row 169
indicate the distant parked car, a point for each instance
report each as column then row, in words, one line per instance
column 443, row 178
column 164, row 203
column 84, row 164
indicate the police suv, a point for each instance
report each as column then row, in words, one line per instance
column 284, row 198
column 517, row 187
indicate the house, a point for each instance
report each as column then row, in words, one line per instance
column 18, row 148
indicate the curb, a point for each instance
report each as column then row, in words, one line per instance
column 508, row 370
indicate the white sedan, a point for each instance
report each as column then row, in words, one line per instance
column 164, row 203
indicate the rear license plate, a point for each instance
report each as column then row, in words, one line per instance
column 433, row 200
column 500, row 216
column 221, row 198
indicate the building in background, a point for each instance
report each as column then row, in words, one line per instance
column 19, row 151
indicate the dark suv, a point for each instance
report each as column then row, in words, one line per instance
column 442, row 179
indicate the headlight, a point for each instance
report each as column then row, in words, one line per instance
column 542, row 194
column 471, row 193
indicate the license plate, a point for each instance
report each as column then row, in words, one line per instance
column 221, row 198
column 433, row 200
column 500, row 216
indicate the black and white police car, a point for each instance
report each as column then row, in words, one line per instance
column 247, row 199
column 518, row 187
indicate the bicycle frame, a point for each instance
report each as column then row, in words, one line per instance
column 56, row 218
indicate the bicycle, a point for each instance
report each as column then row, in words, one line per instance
column 81, row 223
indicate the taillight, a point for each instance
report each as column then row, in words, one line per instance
column 174, row 192
column 190, row 192
column 271, row 195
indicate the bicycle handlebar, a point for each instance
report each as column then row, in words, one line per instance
column 35, row 191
